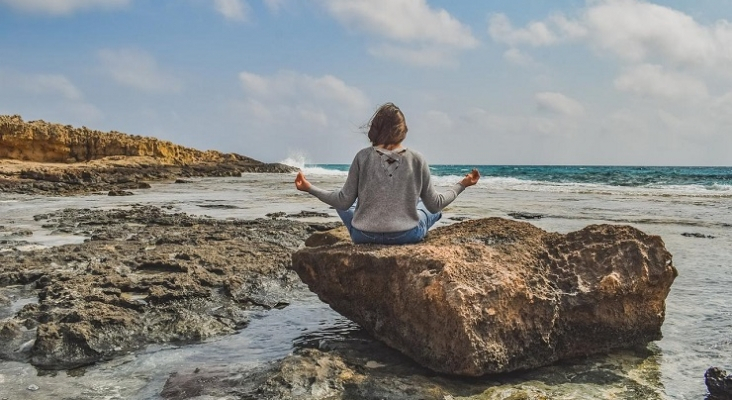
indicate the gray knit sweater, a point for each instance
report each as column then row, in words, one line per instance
column 387, row 192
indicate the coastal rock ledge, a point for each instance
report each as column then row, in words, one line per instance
column 495, row 295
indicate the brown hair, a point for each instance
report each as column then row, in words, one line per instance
column 387, row 125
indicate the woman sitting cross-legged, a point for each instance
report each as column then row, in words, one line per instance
column 388, row 196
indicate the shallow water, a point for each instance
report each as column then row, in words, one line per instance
column 697, row 331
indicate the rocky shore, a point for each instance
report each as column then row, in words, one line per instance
column 144, row 276
column 149, row 276
column 44, row 158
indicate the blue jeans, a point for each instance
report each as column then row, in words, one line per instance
column 414, row 235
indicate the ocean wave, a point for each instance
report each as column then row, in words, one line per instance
column 295, row 160
column 526, row 184
column 314, row 170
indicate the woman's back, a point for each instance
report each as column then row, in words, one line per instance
column 390, row 184
column 385, row 185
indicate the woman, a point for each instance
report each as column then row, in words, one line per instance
column 388, row 197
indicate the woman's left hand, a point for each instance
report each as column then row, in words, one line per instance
column 471, row 178
column 301, row 183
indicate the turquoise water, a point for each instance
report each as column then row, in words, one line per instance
column 710, row 177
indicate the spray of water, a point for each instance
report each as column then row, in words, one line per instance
column 298, row 159
column 295, row 159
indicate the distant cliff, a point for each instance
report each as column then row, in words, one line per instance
column 41, row 141
column 38, row 157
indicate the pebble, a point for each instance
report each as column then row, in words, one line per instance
column 33, row 388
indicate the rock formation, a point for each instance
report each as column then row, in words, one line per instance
column 496, row 295
column 718, row 383
column 40, row 141
column 78, row 160
column 144, row 276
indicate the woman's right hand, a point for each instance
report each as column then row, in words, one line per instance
column 471, row 178
column 301, row 183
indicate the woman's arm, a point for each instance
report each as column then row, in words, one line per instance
column 340, row 199
column 435, row 201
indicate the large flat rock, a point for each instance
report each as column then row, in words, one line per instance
column 496, row 295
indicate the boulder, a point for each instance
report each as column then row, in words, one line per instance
column 496, row 295
column 718, row 383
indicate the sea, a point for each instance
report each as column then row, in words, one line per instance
column 689, row 207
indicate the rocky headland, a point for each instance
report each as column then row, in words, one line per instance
column 38, row 157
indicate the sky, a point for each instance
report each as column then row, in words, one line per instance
column 531, row 82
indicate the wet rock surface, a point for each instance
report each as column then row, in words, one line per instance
column 718, row 383
column 351, row 365
column 526, row 215
column 496, row 295
column 112, row 176
column 145, row 275
column 697, row 235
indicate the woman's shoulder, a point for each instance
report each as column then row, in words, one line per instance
column 364, row 153
column 415, row 155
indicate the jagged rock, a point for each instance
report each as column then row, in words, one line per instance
column 145, row 276
column 718, row 383
column 697, row 235
column 495, row 295
column 526, row 215
column 275, row 215
column 119, row 193
column 15, row 340
column 308, row 214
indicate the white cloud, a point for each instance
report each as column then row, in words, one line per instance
column 516, row 56
column 568, row 29
column 63, row 7
column 294, row 88
column 275, row 5
column 402, row 20
column 425, row 36
column 40, row 84
column 558, row 103
column 319, row 109
column 637, row 30
column 633, row 30
column 37, row 94
column 235, row 10
column 535, row 34
column 654, row 81
column 137, row 69
column 49, row 84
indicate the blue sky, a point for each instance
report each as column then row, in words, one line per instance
column 619, row 82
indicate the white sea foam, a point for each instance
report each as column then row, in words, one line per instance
column 295, row 159
column 316, row 170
